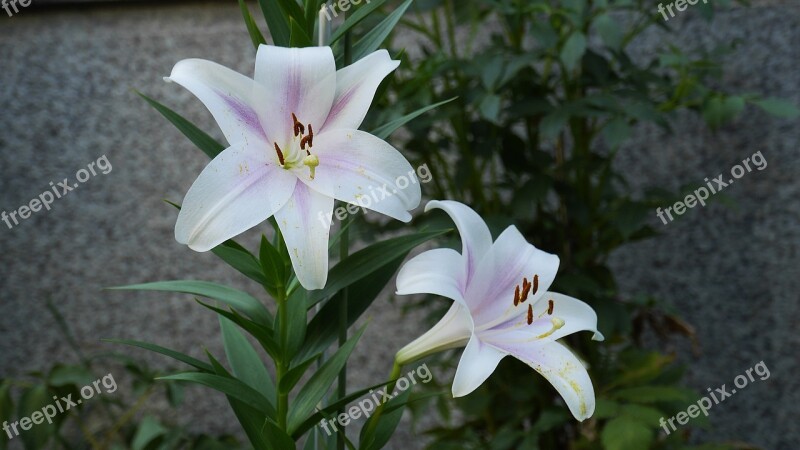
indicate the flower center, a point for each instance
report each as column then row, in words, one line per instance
column 521, row 295
column 301, row 143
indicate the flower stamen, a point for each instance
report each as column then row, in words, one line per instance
column 535, row 283
column 557, row 324
column 516, row 296
column 530, row 314
column 280, row 154
column 298, row 126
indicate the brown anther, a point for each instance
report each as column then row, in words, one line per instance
column 530, row 314
column 535, row 284
column 298, row 126
column 280, row 153
column 550, row 306
column 526, row 288
column 516, row 296
column 307, row 140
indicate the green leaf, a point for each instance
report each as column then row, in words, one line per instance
column 293, row 10
column 229, row 386
column 387, row 423
column 355, row 18
column 322, row 331
column 244, row 360
column 252, row 28
column 366, row 261
column 296, row 322
column 298, row 36
column 490, row 108
column 386, row 130
column 240, row 259
column 234, row 298
column 644, row 414
column 616, row 132
column 291, row 377
column 149, row 430
column 626, row 433
column 573, row 50
column 196, row 363
column 320, row 382
column 609, row 30
column 375, row 37
column 652, row 394
column 277, row 22
column 201, row 139
column 260, row 332
column 277, row 438
column 272, row 264
column 32, row 400
column 778, row 107
column 552, row 124
column 78, row 376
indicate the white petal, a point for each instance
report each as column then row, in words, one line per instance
column 477, row 362
column 511, row 258
column 475, row 236
column 232, row 98
column 453, row 330
column 355, row 88
column 305, row 224
column 238, row 189
column 577, row 315
column 563, row 370
column 298, row 80
column 433, row 272
column 358, row 168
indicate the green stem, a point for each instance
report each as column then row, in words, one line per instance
column 344, row 251
column 281, row 366
column 376, row 417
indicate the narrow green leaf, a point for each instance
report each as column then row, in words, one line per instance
column 277, row 22
column 229, row 386
column 366, row 261
column 297, row 320
column 263, row 334
column 573, row 50
column 293, row 10
column 626, row 433
column 311, row 8
column 149, row 430
column 298, row 36
column 234, row 298
column 355, row 18
column 245, row 361
column 277, row 438
column 386, row 130
column 194, row 362
column 272, row 264
column 387, row 423
column 200, row 138
column 375, row 37
column 778, row 108
column 31, row 400
column 320, row 382
column 243, row 261
column 252, row 28
column 291, row 377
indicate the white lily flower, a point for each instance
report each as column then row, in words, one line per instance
column 501, row 307
column 294, row 148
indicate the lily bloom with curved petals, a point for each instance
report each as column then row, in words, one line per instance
column 294, row 148
column 501, row 307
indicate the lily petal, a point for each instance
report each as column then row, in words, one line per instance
column 563, row 370
column 433, row 272
column 355, row 88
column 298, row 80
column 231, row 97
column 303, row 222
column 510, row 259
column 577, row 315
column 239, row 189
column 477, row 362
column 358, row 168
column 452, row 331
column 475, row 236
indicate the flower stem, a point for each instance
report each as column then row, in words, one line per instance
column 376, row 417
column 344, row 251
column 281, row 365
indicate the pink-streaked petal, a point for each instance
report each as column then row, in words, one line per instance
column 478, row 361
column 563, row 370
column 358, row 168
column 303, row 220
column 355, row 88
column 452, row 331
column 232, row 98
column 476, row 239
column 510, row 259
column 239, row 189
column 433, row 272
column 297, row 80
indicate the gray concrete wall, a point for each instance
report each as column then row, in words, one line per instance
column 65, row 100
